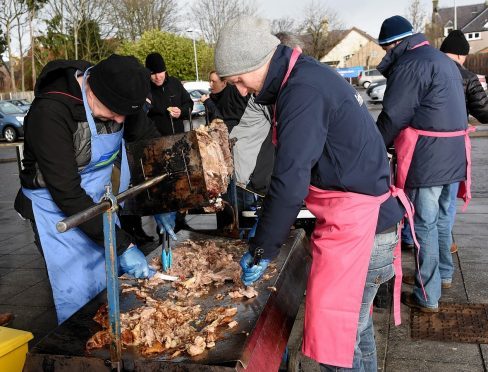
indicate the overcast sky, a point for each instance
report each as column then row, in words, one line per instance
column 364, row 14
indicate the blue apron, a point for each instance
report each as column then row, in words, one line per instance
column 75, row 264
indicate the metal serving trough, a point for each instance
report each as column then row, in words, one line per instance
column 256, row 344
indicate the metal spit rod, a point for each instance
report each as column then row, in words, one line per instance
column 99, row 208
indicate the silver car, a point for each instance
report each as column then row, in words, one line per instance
column 367, row 77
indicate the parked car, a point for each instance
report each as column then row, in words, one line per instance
column 23, row 104
column 367, row 77
column 198, row 107
column 11, row 121
column 378, row 92
column 374, row 85
column 200, row 85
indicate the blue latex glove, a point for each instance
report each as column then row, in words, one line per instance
column 166, row 222
column 133, row 262
column 251, row 272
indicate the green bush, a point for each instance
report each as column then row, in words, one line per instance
column 177, row 52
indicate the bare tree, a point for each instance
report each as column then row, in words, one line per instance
column 80, row 19
column 211, row 15
column 417, row 15
column 318, row 22
column 33, row 6
column 281, row 25
column 21, row 21
column 133, row 17
column 8, row 18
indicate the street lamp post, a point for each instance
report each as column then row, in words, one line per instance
column 194, row 52
column 455, row 15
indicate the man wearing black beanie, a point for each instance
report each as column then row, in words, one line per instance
column 73, row 136
column 456, row 47
column 171, row 103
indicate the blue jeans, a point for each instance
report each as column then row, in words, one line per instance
column 433, row 231
column 406, row 233
column 452, row 205
column 380, row 270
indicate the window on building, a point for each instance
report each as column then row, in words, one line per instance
column 447, row 30
column 473, row 36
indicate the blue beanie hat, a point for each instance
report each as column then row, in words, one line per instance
column 393, row 29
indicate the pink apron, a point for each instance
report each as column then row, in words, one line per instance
column 341, row 250
column 405, row 146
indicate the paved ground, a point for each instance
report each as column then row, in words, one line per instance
column 24, row 286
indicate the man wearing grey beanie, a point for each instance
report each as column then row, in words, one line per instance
column 330, row 154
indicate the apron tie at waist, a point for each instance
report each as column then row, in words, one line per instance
column 405, row 146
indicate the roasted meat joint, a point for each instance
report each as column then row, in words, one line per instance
column 172, row 318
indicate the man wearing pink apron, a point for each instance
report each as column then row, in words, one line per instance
column 424, row 114
column 330, row 154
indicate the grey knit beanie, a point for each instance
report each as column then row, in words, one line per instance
column 245, row 44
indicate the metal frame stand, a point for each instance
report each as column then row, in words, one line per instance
column 112, row 270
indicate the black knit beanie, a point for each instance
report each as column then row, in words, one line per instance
column 121, row 83
column 155, row 63
column 455, row 43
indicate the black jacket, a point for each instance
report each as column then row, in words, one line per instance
column 57, row 145
column 476, row 98
column 228, row 105
column 326, row 138
column 170, row 94
column 425, row 91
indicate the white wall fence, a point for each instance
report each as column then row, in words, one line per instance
column 29, row 95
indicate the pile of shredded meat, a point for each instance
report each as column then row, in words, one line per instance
column 176, row 324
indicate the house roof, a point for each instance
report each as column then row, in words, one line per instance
column 469, row 17
column 479, row 23
column 336, row 36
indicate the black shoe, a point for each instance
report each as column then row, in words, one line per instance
column 409, row 300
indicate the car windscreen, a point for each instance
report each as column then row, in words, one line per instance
column 8, row 108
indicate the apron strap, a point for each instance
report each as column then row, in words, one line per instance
column 407, row 204
column 294, row 57
column 466, row 193
column 89, row 116
column 426, row 42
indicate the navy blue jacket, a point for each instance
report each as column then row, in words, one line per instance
column 425, row 90
column 326, row 138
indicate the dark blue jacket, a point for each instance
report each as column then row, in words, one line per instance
column 425, row 90
column 326, row 138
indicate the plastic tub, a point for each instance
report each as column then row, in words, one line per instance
column 13, row 349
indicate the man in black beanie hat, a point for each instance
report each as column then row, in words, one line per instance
column 456, row 47
column 171, row 103
column 73, row 136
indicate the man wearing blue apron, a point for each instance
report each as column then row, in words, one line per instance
column 73, row 134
